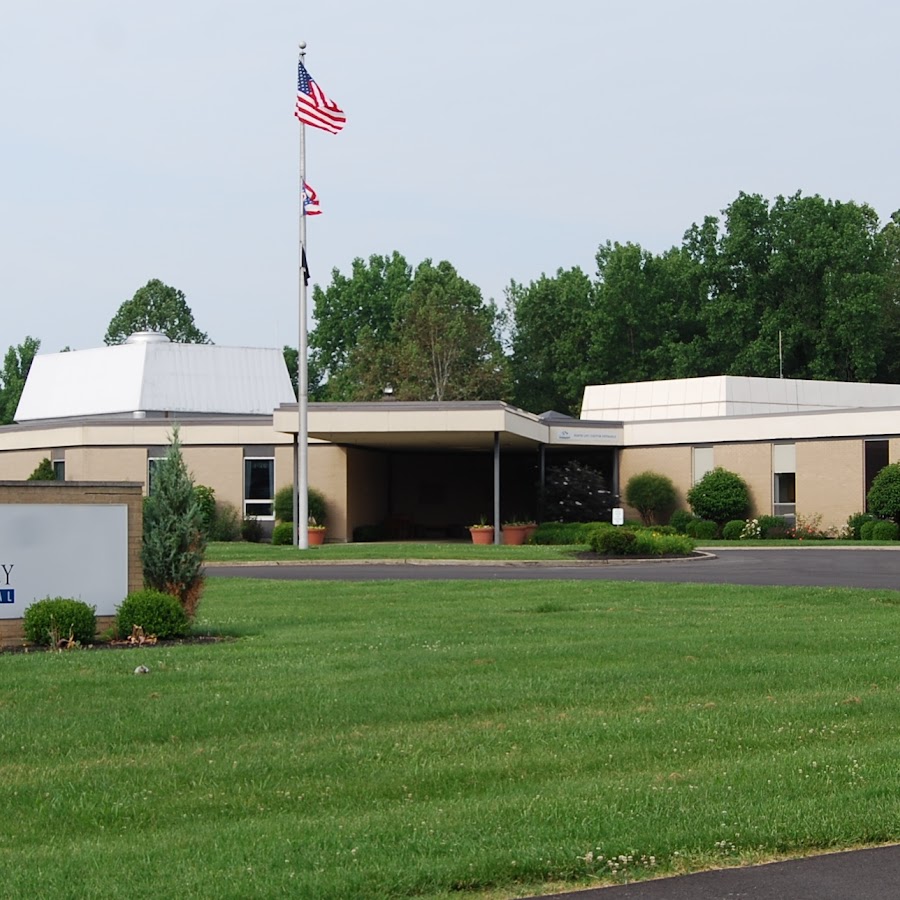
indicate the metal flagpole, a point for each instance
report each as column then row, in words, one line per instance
column 301, row 501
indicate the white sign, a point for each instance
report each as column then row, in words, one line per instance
column 604, row 437
column 618, row 515
column 77, row 551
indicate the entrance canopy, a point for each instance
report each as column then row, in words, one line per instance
column 452, row 425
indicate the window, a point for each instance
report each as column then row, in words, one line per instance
column 259, row 487
column 784, row 486
column 703, row 462
column 876, row 459
column 59, row 469
column 155, row 457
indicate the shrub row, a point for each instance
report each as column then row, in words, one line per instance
column 55, row 620
column 626, row 541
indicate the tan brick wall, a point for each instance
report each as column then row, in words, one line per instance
column 830, row 479
column 74, row 492
column 106, row 464
column 675, row 462
column 221, row 468
column 17, row 465
column 753, row 462
column 328, row 474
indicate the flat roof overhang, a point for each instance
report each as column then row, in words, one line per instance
column 460, row 426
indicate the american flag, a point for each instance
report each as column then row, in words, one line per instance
column 313, row 107
column 310, row 201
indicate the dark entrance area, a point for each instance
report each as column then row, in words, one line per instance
column 437, row 495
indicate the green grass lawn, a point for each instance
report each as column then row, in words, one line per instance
column 456, row 739
column 241, row 551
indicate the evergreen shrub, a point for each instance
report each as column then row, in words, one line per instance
column 155, row 612
column 174, row 539
column 651, row 494
column 680, row 519
column 733, row 530
column 720, row 495
column 252, row 530
column 560, row 533
column 855, row 522
column 866, row 529
column 885, row 531
column 703, row 529
column 226, row 524
column 56, row 618
column 883, row 499
column 767, row 523
column 613, row 541
column 283, row 533
column 43, row 472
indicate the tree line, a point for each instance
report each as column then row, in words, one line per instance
column 800, row 286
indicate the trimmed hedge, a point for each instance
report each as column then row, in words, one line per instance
column 680, row 520
column 734, row 529
column 155, row 612
column 566, row 532
column 57, row 618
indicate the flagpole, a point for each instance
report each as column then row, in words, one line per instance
column 301, row 504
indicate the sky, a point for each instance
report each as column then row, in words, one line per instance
column 510, row 137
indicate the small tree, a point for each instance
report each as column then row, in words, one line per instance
column 43, row 472
column 651, row 494
column 720, row 496
column 883, row 499
column 174, row 533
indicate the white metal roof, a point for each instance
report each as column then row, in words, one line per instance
column 147, row 377
column 729, row 395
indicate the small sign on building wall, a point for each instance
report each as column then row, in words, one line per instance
column 618, row 515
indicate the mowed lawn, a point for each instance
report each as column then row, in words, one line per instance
column 452, row 740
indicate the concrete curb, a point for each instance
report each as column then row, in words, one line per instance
column 699, row 556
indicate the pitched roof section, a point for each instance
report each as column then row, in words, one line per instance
column 153, row 378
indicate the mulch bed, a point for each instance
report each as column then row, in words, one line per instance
column 605, row 557
column 120, row 645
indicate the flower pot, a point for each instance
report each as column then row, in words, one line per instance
column 514, row 534
column 316, row 537
column 483, row 535
column 530, row 529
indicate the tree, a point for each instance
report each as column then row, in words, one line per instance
column 447, row 343
column 155, row 307
column 554, row 322
column 174, row 539
column 429, row 336
column 803, row 272
column 355, row 309
column 16, row 366
column 651, row 494
column 720, row 496
column 883, row 499
column 43, row 472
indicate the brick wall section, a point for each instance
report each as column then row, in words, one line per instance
column 675, row 462
column 127, row 493
column 830, row 480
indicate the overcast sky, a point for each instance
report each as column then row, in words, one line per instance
column 511, row 137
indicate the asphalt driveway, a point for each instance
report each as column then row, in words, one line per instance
column 810, row 567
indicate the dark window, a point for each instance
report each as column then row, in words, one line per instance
column 259, row 487
column 876, row 460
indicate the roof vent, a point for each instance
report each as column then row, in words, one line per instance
column 147, row 337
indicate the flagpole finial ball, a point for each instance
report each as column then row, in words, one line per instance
column 302, row 45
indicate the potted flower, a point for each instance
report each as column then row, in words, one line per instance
column 317, row 517
column 514, row 533
column 315, row 533
column 482, row 533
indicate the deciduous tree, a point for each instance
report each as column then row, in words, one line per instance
column 155, row 307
